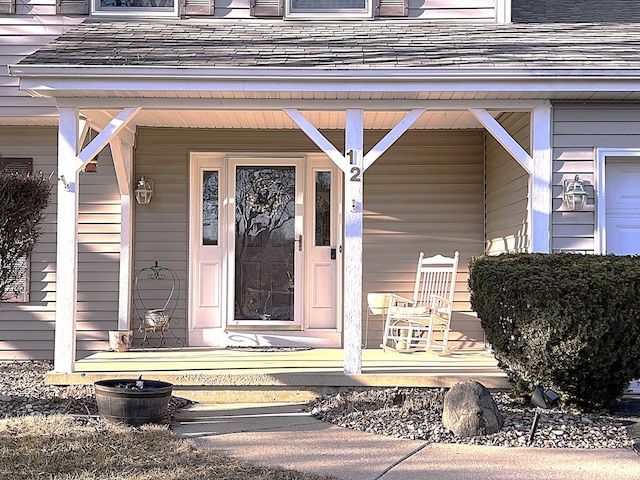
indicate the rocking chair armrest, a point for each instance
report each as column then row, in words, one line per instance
column 441, row 307
column 394, row 299
column 440, row 299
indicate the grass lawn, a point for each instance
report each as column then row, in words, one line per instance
column 70, row 448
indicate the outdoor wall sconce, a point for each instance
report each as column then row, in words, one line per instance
column 574, row 194
column 144, row 191
column 91, row 166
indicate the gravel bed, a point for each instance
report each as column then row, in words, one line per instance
column 416, row 413
column 23, row 392
column 412, row 413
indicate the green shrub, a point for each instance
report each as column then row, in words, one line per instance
column 23, row 199
column 567, row 322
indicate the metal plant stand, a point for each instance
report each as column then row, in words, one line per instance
column 159, row 286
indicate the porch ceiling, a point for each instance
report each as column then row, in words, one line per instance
column 228, row 119
column 325, row 110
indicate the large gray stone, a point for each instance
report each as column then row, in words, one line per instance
column 470, row 411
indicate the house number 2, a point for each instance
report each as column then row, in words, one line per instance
column 355, row 171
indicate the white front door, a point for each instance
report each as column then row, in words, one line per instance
column 264, row 256
column 622, row 177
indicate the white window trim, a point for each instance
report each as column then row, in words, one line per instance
column 329, row 14
column 503, row 11
column 600, row 240
column 96, row 9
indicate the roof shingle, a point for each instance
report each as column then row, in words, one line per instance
column 357, row 45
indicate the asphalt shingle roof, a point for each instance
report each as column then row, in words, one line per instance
column 378, row 44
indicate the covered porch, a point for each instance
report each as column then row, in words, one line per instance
column 418, row 160
column 158, row 230
column 224, row 375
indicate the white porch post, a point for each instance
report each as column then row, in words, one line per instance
column 122, row 154
column 353, row 164
column 540, row 179
column 67, row 243
column 354, row 145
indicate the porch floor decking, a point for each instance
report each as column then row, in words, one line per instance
column 218, row 375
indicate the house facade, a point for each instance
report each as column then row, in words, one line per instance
column 300, row 156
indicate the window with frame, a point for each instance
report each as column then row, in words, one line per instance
column 329, row 8
column 22, row 166
column 136, row 7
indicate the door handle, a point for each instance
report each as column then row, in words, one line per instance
column 299, row 240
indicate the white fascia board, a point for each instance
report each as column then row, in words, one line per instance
column 284, row 73
column 276, row 104
column 45, row 80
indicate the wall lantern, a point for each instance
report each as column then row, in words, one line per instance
column 144, row 190
column 574, row 194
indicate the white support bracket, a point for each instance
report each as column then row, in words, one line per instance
column 320, row 140
column 107, row 134
column 503, row 138
column 391, row 137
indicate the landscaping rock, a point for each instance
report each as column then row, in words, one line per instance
column 469, row 410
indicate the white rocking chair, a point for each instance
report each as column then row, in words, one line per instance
column 423, row 322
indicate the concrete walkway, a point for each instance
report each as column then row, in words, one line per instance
column 284, row 435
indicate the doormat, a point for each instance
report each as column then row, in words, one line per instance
column 266, row 348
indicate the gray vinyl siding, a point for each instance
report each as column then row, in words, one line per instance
column 27, row 329
column 448, row 10
column 98, row 256
column 21, row 35
column 445, row 217
column 441, row 10
column 435, row 10
column 161, row 228
column 482, row 11
column 578, row 131
column 507, row 190
column 425, row 193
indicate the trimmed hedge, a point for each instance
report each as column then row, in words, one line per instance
column 567, row 322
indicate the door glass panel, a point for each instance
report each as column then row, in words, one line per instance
column 323, row 209
column 210, row 203
column 264, row 243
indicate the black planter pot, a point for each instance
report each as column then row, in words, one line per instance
column 121, row 401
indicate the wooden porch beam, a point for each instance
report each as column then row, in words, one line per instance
column 503, row 137
column 352, row 205
column 352, row 202
column 67, row 241
column 391, row 137
column 84, row 131
column 540, row 199
column 122, row 154
column 109, row 132
column 316, row 137
column 538, row 165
